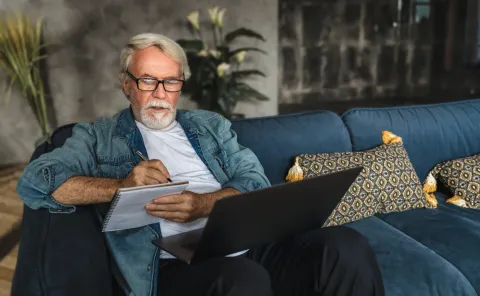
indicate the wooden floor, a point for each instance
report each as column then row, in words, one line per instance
column 11, row 209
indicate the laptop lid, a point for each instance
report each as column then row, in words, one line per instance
column 250, row 219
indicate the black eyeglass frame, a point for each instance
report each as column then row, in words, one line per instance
column 158, row 82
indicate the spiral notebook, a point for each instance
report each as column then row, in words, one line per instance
column 127, row 209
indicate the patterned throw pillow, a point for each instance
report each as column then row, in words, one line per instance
column 462, row 177
column 388, row 182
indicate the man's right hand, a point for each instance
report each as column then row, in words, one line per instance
column 148, row 172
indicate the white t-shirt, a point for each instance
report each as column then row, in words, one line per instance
column 172, row 147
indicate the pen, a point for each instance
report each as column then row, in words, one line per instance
column 145, row 158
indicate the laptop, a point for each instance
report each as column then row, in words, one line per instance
column 262, row 216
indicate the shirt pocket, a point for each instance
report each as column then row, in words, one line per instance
column 114, row 166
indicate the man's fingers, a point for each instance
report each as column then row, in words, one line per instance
column 155, row 174
column 158, row 165
column 146, row 180
column 179, row 220
column 172, row 216
column 167, row 208
column 169, row 199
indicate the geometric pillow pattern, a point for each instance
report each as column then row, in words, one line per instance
column 387, row 183
column 462, row 177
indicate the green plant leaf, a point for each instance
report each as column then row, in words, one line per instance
column 206, row 71
column 247, row 49
column 8, row 91
column 242, row 32
column 195, row 45
column 20, row 44
column 246, row 73
column 247, row 92
column 38, row 58
column 225, row 53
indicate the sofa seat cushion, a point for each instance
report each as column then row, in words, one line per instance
column 277, row 140
column 431, row 133
column 409, row 267
column 450, row 231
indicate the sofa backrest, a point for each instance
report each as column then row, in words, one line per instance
column 431, row 133
column 277, row 140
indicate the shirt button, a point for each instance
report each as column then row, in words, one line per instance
column 148, row 267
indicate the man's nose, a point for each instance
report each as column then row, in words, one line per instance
column 159, row 92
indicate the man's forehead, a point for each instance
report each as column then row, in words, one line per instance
column 154, row 64
column 159, row 73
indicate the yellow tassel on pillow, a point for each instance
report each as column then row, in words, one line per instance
column 390, row 138
column 295, row 173
column 430, row 184
column 458, row 201
column 432, row 200
column 429, row 187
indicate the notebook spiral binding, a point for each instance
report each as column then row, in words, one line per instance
column 115, row 200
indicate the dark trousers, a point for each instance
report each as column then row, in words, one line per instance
column 329, row 261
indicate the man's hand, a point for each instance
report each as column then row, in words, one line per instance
column 148, row 172
column 182, row 208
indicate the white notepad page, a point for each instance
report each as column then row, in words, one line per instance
column 128, row 206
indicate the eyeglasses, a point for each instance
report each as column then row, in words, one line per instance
column 151, row 84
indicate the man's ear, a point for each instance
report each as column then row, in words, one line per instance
column 124, row 82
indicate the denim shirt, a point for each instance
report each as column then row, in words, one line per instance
column 106, row 148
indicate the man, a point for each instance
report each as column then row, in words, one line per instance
column 200, row 147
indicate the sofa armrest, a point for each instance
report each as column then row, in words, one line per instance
column 62, row 254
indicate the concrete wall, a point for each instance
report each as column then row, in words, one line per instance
column 83, row 67
column 347, row 50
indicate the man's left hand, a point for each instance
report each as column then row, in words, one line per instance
column 182, row 208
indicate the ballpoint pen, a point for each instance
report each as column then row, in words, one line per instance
column 145, row 158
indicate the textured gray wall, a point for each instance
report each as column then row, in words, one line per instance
column 83, row 67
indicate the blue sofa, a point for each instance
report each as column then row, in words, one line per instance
column 421, row 252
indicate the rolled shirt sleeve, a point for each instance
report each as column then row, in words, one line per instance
column 46, row 173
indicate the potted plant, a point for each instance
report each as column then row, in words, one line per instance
column 218, row 82
column 20, row 54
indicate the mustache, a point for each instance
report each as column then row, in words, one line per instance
column 161, row 104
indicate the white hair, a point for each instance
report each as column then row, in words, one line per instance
column 169, row 47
